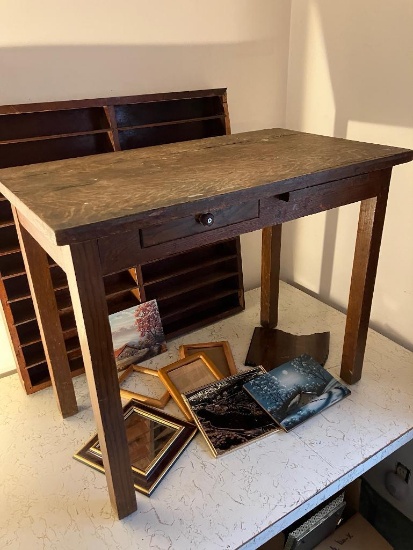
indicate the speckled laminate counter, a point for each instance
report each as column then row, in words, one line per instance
column 50, row 501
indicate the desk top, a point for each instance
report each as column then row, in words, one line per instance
column 64, row 199
column 241, row 499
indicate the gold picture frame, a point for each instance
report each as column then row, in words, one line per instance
column 186, row 375
column 151, row 401
column 218, row 352
column 155, row 439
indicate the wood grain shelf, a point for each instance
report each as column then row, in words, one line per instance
column 29, row 333
column 156, row 124
column 59, row 136
column 40, row 373
column 212, row 312
column 17, row 288
column 34, row 354
column 9, row 240
column 6, row 214
column 189, row 269
column 44, row 132
column 6, row 223
column 194, row 305
column 201, row 281
column 39, row 121
column 22, row 311
column 12, row 265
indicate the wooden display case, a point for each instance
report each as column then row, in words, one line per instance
column 207, row 282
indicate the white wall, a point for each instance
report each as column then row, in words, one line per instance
column 351, row 75
column 73, row 49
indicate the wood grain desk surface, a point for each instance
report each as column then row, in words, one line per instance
column 65, row 198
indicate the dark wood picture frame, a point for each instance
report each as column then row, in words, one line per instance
column 146, row 480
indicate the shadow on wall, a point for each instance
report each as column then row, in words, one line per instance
column 368, row 49
column 40, row 73
column 253, row 71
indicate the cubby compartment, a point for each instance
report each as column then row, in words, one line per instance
column 186, row 284
column 68, row 323
column 34, row 125
column 17, row 288
column 6, row 214
column 22, row 311
column 118, row 283
column 207, row 313
column 59, row 278
column 33, row 354
column 73, row 347
column 180, row 305
column 11, row 264
column 9, row 240
column 63, row 301
column 196, row 279
column 56, row 148
column 158, row 135
column 38, row 374
column 145, row 114
column 122, row 301
column 29, row 332
column 189, row 261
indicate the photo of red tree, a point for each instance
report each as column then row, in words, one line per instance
column 137, row 334
column 148, row 323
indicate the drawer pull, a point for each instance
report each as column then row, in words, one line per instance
column 206, row 219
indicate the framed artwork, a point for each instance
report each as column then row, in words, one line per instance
column 227, row 416
column 296, row 391
column 155, row 441
column 218, row 352
column 158, row 402
column 137, row 334
column 186, row 375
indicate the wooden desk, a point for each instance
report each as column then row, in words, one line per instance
column 97, row 215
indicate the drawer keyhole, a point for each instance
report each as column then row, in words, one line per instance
column 206, row 219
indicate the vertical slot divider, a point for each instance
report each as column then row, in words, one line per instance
column 113, row 134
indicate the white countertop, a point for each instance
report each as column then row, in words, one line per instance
column 50, row 501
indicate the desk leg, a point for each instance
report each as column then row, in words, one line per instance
column 44, row 300
column 270, row 275
column 89, row 304
column 370, row 228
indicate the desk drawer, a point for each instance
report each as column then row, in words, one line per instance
column 195, row 224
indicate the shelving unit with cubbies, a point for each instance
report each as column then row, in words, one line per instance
column 208, row 283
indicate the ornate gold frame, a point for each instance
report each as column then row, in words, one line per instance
column 174, row 390
column 146, row 480
column 227, row 369
column 152, row 401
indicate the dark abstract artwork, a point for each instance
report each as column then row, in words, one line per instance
column 227, row 415
column 296, row 391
